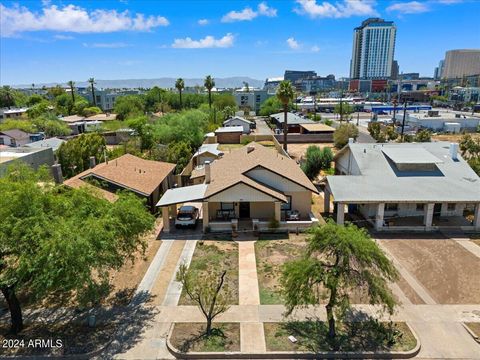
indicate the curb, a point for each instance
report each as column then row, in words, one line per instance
column 291, row 354
column 471, row 333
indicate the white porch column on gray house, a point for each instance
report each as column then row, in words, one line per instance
column 444, row 209
column 428, row 215
column 205, row 215
column 476, row 218
column 326, row 201
column 340, row 213
column 278, row 211
column 166, row 219
column 379, row 216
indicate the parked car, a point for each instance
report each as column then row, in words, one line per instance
column 187, row 216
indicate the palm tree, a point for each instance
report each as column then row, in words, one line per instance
column 33, row 88
column 72, row 85
column 209, row 85
column 180, row 85
column 7, row 96
column 92, row 82
column 285, row 93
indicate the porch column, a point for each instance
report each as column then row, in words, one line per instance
column 166, row 219
column 326, row 201
column 444, row 209
column 205, row 215
column 340, row 213
column 428, row 216
column 278, row 211
column 173, row 210
column 476, row 218
column 379, row 216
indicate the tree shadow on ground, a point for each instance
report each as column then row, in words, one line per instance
column 217, row 335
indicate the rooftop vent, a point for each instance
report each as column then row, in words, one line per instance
column 454, row 151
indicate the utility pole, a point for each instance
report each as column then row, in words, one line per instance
column 358, row 117
column 403, row 121
column 394, row 110
column 341, row 106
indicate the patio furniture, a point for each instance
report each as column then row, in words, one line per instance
column 293, row 215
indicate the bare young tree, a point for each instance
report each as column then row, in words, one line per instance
column 208, row 291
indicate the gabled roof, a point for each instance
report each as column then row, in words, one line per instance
column 128, row 171
column 53, row 143
column 380, row 180
column 208, row 148
column 16, row 134
column 292, row 119
column 239, row 118
column 232, row 167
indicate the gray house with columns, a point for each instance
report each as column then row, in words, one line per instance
column 407, row 186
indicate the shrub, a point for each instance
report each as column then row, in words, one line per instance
column 343, row 133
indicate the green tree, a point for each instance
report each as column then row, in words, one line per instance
column 74, row 155
column 23, row 125
column 285, row 94
column 43, row 253
column 343, row 109
column 337, row 260
column 64, row 104
column 128, row 106
column 209, row 84
column 470, row 150
column 209, row 292
column 55, row 91
column 51, row 126
column 34, row 99
column 71, row 85
column 40, row 109
column 223, row 101
column 180, row 85
column 343, row 133
column 179, row 153
column 91, row 110
column 144, row 131
column 10, row 97
column 92, row 87
column 272, row 106
column 316, row 159
column 423, row 136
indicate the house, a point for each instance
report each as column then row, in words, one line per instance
column 293, row 122
column 412, row 186
column 7, row 113
column 102, row 117
column 229, row 135
column 148, row 179
column 53, row 143
column 194, row 171
column 14, row 137
column 248, row 188
column 35, row 157
column 435, row 120
column 240, row 121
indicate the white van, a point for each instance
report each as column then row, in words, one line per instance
column 187, row 216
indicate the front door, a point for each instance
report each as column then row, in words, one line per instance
column 437, row 209
column 244, row 210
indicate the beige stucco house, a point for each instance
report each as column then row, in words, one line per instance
column 249, row 188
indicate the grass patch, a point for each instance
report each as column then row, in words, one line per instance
column 474, row 327
column 210, row 254
column 272, row 251
column 369, row 335
column 189, row 337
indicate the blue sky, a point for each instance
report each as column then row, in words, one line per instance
column 57, row 41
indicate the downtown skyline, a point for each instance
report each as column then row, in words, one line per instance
column 54, row 41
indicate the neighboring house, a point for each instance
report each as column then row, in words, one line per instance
column 294, row 122
column 146, row 178
column 7, row 113
column 229, row 135
column 316, row 128
column 53, row 143
column 248, row 188
column 102, row 117
column 80, row 124
column 194, row 172
column 412, row 186
column 35, row 157
column 14, row 137
column 240, row 121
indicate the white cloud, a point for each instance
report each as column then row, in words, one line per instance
column 203, row 22
column 315, row 48
column 207, row 42
column 449, row 2
column 63, row 37
column 248, row 13
column 343, row 9
column 114, row 45
column 71, row 18
column 411, row 7
column 292, row 43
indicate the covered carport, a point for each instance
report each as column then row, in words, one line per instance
column 172, row 197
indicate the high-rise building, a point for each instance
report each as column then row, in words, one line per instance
column 294, row 75
column 437, row 75
column 373, row 49
column 460, row 63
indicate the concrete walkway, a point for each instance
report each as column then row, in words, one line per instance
column 469, row 245
column 252, row 337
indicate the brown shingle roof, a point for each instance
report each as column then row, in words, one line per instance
column 231, row 169
column 128, row 171
column 102, row 117
column 16, row 134
column 72, row 118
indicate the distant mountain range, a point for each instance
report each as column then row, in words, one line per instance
column 166, row 82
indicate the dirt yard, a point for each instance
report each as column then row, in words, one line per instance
column 188, row 337
column 445, row 269
column 452, row 137
column 297, row 151
column 216, row 255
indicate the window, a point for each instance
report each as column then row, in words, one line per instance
column 420, row 207
column 288, row 204
column 391, row 207
column 451, row 206
column 227, row 206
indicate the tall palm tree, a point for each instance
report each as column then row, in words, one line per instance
column 180, row 85
column 285, row 93
column 92, row 83
column 72, row 85
column 7, row 96
column 209, row 85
